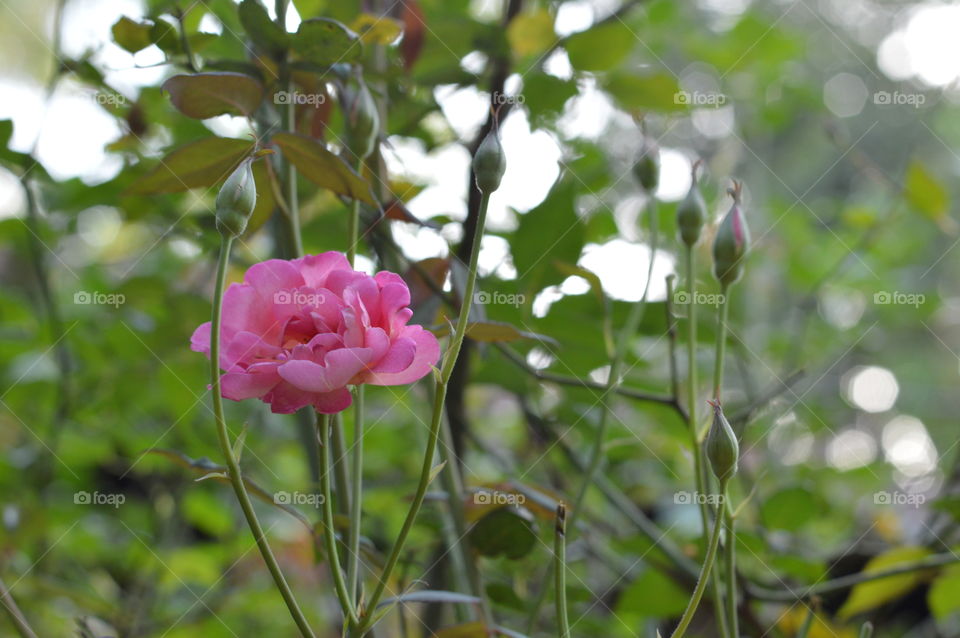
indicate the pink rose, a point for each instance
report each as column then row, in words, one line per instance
column 298, row 332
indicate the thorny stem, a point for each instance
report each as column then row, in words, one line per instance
column 233, row 466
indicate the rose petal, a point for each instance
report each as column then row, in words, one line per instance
column 401, row 354
column 427, row 355
column 272, row 276
column 316, row 268
column 238, row 386
column 332, row 402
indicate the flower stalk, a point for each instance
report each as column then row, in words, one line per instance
column 560, row 570
column 233, row 466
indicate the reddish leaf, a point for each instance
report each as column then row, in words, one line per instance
column 204, row 95
column 413, row 32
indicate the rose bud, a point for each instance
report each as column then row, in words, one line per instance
column 691, row 212
column 489, row 163
column 236, row 200
column 732, row 242
column 362, row 120
column 647, row 167
column 722, row 448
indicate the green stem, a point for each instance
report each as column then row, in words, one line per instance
column 341, row 482
column 699, row 465
column 16, row 616
column 722, row 313
column 730, row 567
column 324, row 423
column 440, row 394
column 353, row 228
column 356, row 502
column 708, row 561
column 292, row 217
column 233, row 466
column 560, row 572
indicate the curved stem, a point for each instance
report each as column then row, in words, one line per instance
column 356, row 502
column 439, row 396
column 708, row 561
column 16, row 616
column 699, row 462
column 324, row 423
column 233, row 466
column 722, row 313
column 560, row 572
column 730, row 567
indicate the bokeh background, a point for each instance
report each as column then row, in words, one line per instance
column 840, row 117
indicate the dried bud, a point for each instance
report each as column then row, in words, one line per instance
column 722, row 447
column 236, row 200
column 732, row 242
column 362, row 120
column 489, row 163
column 691, row 212
column 647, row 167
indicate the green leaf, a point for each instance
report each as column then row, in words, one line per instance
column 325, row 42
column 653, row 594
column 927, row 194
column 656, row 92
column 790, row 508
column 269, row 36
column 199, row 164
column 873, row 593
column 493, row 331
column 207, row 512
column 165, row 36
column 504, row 595
column 204, row 95
column 531, row 33
column 545, row 95
column 376, row 29
column 503, row 532
column 600, row 48
column 551, row 231
column 944, row 594
column 131, row 35
column 322, row 167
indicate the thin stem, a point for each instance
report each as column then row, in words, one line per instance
column 560, row 571
column 356, row 502
column 233, row 466
column 699, row 464
column 324, row 424
column 708, row 561
column 353, row 228
column 292, row 219
column 722, row 313
column 341, row 481
column 730, row 567
column 439, row 396
column 16, row 616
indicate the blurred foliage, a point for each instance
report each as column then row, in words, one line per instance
column 846, row 212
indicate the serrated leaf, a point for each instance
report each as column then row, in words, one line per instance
column 205, row 95
column 132, row 36
column 326, row 42
column 322, row 167
column 873, row 593
column 199, row 164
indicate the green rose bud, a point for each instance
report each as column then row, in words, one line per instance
column 236, row 200
column 732, row 242
column 489, row 163
column 647, row 167
column 722, row 448
column 691, row 212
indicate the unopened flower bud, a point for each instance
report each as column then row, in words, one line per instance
column 362, row 120
column 647, row 167
column 691, row 212
column 489, row 163
column 722, row 448
column 732, row 242
column 236, row 200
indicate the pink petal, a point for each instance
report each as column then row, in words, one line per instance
column 245, row 347
column 316, row 268
column 286, row 398
column 377, row 340
column 332, row 402
column 269, row 277
column 399, row 357
column 200, row 340
column 238, row 386
column 427, row 355
column 340, row 366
